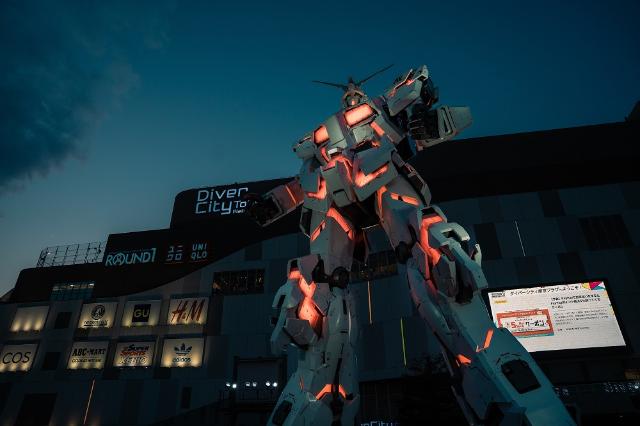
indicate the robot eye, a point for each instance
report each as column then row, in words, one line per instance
column 358, row 114
column 320, row 135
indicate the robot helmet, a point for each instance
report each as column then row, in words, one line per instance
column 353, row 94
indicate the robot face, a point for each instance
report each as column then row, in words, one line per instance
column 352, row 98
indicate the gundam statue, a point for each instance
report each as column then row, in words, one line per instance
column 355, row 175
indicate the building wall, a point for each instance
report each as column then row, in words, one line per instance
column 570, row 234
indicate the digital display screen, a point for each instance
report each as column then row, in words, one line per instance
column 558, row 317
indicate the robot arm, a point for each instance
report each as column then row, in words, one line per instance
column 277, row 203
column 413, row 94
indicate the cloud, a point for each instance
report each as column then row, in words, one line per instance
column 64, row 66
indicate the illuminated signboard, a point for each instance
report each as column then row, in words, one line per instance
column 17, row 357
column 86, row 355
column 556, row 317
column 182, row 352
column 130, row 257
column 141, row 313
column 97, row 315
column 191, row 310
column 31, row 318
column 133, row 354
column 179, row 253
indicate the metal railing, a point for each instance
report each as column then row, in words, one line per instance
column 72, row 254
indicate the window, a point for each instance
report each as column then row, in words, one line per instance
column 605, row 232
column 378, row 265
column 239, row 282
column 72, row 291
column 62, row 320
column 185, row 400
column 51, row 360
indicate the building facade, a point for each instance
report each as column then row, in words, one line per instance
column 172, row 326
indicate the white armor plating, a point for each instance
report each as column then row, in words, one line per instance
column 354, row 176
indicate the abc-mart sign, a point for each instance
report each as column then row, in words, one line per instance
column 86, row 355
column 97, row 315
column 17, row 357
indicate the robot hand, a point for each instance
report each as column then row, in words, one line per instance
column 430, row 127
column 262, row 210
column 423, row 123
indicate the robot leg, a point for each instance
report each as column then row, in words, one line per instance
column 496, row 380
column 316, row 314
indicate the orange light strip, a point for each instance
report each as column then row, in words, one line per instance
column 323, row 152
column 362, row 179
column 293, row 198
column 328, row 388
column 86, row 411
column 342, row 392
column 463, row 360
column 322, row 190
column 376, row 128
column 380, row 193
column 294, row 274
column 321, row 135
column 316, row 232
column 325, row 390
column 405, row 198
column 433, row 254
column 358, row 114
column 339, row 159
column 333, row 214
column 487, row 340
column 369, row 293
column 301, row 383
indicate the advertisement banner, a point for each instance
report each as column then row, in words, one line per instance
column 88, row 355
column 190, row 310
column 138, row 313
column 133, row 354
column 557, row 317
column 17, row 357
column 183, row 352
column 97, row 315
column 30, row 318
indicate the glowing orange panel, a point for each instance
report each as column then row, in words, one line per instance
column 320, row 135
column 333, row 214
column 342, row 392
column 376, row 128
column 487, row 340
column 294, row 274
column 307, row 289
column 316, row 232
column 405, row 198
column 463, row 360
column 307, row 311
column 323, row 152
column 325, row 390
column 322, row 190
column 362, row 179
column 381, row 192
column 358, row 114
column 433, row 254
column 339, row 159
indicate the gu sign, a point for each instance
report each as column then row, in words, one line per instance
column 17, row 357
column 192, row 310
column 141, row 313
column 183, row 352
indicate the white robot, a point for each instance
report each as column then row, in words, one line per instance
column 354, row 175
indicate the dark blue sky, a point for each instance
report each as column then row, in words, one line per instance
column 108, row 110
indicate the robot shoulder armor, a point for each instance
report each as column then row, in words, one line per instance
column 405, row 89
column 305, row 148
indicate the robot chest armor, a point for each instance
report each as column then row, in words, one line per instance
column 354, row 150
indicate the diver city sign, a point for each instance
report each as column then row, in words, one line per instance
column 130, row 257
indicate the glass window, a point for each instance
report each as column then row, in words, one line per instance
column 238, row 282
column 72, row 291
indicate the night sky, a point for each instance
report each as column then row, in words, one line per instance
column 109, row 109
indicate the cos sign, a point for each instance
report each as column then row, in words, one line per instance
column 17, row 357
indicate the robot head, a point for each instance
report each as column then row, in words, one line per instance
column 352, row 96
